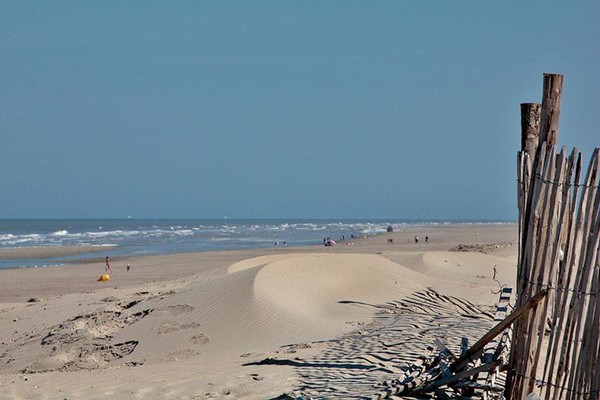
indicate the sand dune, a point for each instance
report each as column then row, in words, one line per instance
column 314, row 284
column 357, row 316
column 465, row 274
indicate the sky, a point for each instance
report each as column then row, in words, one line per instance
column 283, row 109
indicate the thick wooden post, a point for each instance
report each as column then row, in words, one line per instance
column 550, row 108
column 530, row 127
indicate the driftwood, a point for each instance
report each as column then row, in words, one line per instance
column 460, row 375
column 478, row 347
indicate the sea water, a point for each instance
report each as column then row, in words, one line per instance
column 135, row 237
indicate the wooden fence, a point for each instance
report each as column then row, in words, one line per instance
column 555, row 348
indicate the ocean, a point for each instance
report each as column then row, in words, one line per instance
column 136, row 237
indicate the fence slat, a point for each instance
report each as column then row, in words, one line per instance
column 566, row 278
column 584, row 282
column 550, row 260
column 590, row 249
column 532, row 328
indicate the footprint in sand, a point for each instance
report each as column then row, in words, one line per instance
column 98, row 324
column 180, row 355
column 199, row 339
column 176, row 309
column 170, row 327
column 83, row 342
column 293, row 348
column 87, row 356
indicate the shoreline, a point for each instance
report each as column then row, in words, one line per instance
column 57, row 254
column 154, row 237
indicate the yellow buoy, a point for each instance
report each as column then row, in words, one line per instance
column 104, row 278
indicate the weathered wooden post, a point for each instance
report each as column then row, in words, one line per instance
column 530, row 132
column 550, row 108
column 530, row 127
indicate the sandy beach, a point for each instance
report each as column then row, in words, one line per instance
column 339, row 320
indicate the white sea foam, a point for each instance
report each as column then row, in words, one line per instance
column 184, row 232
column 119, row 233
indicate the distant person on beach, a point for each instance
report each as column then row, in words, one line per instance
column 426, row 239
column 416, row 239
column 107, row 266
column 128, row 267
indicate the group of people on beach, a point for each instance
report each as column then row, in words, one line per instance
column 327, row 242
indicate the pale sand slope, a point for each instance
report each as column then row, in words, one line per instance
column 142, row 336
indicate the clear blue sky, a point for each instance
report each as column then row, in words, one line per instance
column 336, row 109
